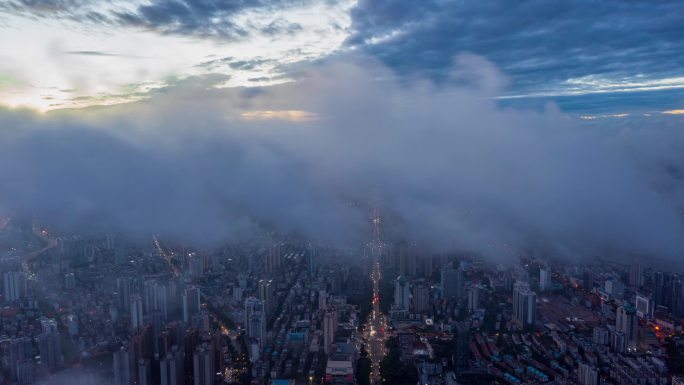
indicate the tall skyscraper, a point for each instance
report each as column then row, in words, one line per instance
column 644, row 306
column 50, row 345
column 191, row 303
column 322, row 299
column 15, row 285
column 171, row 368
column 267, row 294
column 136, row 312
column 587, row 374
column 473, row 298
column 155, row 298
column 196, row 265
column 662, row 289
column 636, row 275
column 329, row 329
column 678, row 297
column 20, row 349
column 26, row 372
column 310, row 259
column 123, row 366
column 273, row 259
column 524, row 304
column 462, row 346
column 203, row 364
column 421, row 299
column 255, row 319
column 144, row 373
column 408, row 260
column 544, row 279
column 452, row 282
column 626, row 323
column 402, row 294
column 124, row 287
column 614, row 288
column 69, row 281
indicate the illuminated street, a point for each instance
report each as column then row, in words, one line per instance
column 375, row 330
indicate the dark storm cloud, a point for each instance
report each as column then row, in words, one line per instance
column 539, row 43
column 455, row 169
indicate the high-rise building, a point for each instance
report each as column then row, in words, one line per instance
column 203, row 364
column 644, row 306
column 473, row 298
column 143, row 344
column 408, row 260
column 322, row 299
column 69, row 281
column 20, row 349
column 544, row 279
column 191, row 303
column 600, row 336
column 614, row 288
column 144, row 373
column 636, row 275
column 273, row 259
column 267, row 294
column 618, row 342
column 26, row 372
column 310, row 259
column 72, row 325
column 50, row 345
column 171, row 368
column 521, row 273
column 329, row 329
column 255, row 319
column 123, row 366
column 137, row 312
column 677, row 297
column 587, row 374
column 662, row 290
column 15, row 286
column 124, row 286
column 402, row 294
column 524, row 304
column 155, row 298
column 461, row 348
column 196, row 265
column 421, row 299
column 452, row 282
column 626, row 323
column 202, row 321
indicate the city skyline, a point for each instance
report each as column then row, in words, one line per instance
column 341, row 192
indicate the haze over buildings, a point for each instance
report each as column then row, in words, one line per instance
column 344, row 192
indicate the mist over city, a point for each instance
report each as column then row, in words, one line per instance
column 341, row 192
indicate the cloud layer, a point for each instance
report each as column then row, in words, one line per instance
column 457, row 170
column 546, row 47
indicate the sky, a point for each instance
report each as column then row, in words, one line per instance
column 68, row 53
column 493, row 127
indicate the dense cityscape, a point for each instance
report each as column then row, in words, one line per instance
column 341, row 192
column 101, row 310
